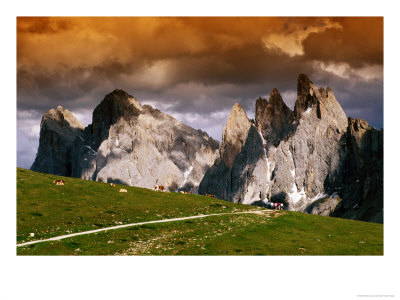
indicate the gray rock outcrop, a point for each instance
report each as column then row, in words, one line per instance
column 362, row 173
column 137, row 145
column 313, row 159
column 274, row 119
column 306, row 158
column 58, row 130
column 312, row 154
column 239, row 172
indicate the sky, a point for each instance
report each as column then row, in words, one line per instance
column 195, row 69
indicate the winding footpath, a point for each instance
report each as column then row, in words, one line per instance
column 134, row 224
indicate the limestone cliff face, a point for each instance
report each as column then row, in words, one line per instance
column 235, row 176
column 234, row 135
column 306, row 158
column 137, row 145
column 58, row 130
column 273, row 119
column 362, row 173
column 309, row 160
column 314, row 159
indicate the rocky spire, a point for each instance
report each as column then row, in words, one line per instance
column 273, row 118
column 307, row 95
column 58, row 130
column 330, row 108
column 315, row 151
column 240, row 174
column 61, row 117
column 234, row 134
column 320, row 102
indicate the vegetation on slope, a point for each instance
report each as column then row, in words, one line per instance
column 48, row 210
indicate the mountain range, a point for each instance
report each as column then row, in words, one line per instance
column 313, row 159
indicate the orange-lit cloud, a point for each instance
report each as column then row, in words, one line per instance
column 358, row 44
column 161, row 51
column 290, row 40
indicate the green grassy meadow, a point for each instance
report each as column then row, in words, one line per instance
column 48, row 211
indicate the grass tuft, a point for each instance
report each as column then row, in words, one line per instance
column 36, row 214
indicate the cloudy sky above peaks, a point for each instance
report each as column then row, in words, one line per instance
column 192, row 68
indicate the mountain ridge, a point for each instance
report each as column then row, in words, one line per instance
column 306, row 159
column 135, row 145
column 312, row 158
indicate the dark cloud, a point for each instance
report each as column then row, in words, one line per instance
column 358, row 42
column 359, row 99
column 28, row 127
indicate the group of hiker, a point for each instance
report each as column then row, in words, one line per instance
column 274, row 205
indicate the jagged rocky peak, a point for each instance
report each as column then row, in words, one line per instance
column 240, row 173
column 303, row 84
column 331, row 108
column 234, row 134
column 62, row 117
column 116, row 105
column 274, row 106
column 325, row 94
column 273, row 118
column 138, row 145
column 304, row 158
column 312, row 152
column 356, row 125
column 363, row 136
column 58, row 130
column 126, row 143
column 306, row 96
column 318, row 102
column 62, row 123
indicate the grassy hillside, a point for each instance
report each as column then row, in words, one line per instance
column 48, row 210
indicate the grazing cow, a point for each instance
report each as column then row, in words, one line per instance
column 186, row 192
column 159, row 188
column 210, row 195
column 112, row 184
column 123, row 191
column 59, row 182
column 182, row 192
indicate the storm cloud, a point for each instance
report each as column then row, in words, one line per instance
column 193, row 68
